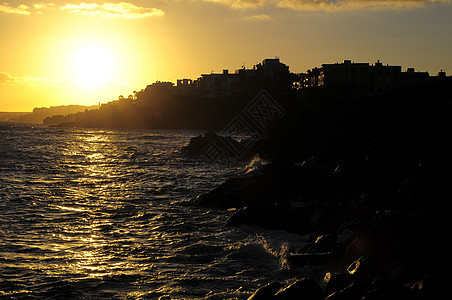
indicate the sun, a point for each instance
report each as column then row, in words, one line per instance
column 93, row 64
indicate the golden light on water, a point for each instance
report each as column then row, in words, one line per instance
column 96, row 215
column 86, row 239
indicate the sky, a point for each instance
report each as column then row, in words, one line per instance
column 67, row 52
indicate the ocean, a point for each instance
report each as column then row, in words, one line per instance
column 102, row 214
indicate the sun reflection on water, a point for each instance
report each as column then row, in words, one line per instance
column 98, row 211
column 92, row 158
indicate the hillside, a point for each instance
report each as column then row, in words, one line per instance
column 39, row 114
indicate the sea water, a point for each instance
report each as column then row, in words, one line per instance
column 102, row 214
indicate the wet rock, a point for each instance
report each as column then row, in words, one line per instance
column 312, row 259
column 365, row 268
column 306, row 288
column 269, row 216
column 232, row 193
column 389, row 292
column 283, row 216
column 334, row 282
column 213, row 146
column 200, row 145
column 276, row 183
column 266, row 292
column 323, row 244
column 354, row 291
column 380, row 238
column 434, row 285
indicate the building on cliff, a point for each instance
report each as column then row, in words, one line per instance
column 362, row 78
column 271, row 75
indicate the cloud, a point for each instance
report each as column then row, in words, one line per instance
column 8, row 79
column 109, row 10
column 326, row 5
column 36, row 81
column 39, row 7
column 261, row 17
column 20, row 10
column 242, row 3
column 113, row 10
column 341, row 5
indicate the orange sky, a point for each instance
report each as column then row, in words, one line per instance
column 66, row 52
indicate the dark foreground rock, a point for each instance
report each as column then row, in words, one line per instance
column 275, row 183
column 370, row 182
column 379, row 231
column 215, row 146
column 305, row 288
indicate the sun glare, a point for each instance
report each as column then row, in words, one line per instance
column 93, row 65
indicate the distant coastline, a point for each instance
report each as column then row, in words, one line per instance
column 38, row 115
column 212, row 100
column 6, row 116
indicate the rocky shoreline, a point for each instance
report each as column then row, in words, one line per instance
column 373, row 242
column 376, row 208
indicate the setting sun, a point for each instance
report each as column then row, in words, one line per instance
column 93, row 64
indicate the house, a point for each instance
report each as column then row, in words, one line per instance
column 360, row 78
column 271, row 75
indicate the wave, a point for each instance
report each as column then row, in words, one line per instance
column 148, row 137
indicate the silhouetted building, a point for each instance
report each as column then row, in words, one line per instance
column 362, row 78
column 275, row 77
column 185, row 87
column 217, row 86
column 271, row 75
column 310, row 79
column 411, row 77
column 442, row 74
column 272, row 67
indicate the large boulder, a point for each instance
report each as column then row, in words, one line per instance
column 299, row 219
column 276, row 183
column 214, row 146
column 199, row 145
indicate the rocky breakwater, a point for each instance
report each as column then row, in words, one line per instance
column 379, row 228
column 369, row 181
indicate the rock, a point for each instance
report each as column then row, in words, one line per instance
column 334, row 282
column 306, row 289
column 323, row 244
column 268, row 216
column 281, row 216
column 365, row 268
column 277, row 183
column 391, row 292
column 232, row 193
column 434, row 285
column 354, row 291
column 312, row 259
column 199, row 145
column 266, row 292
